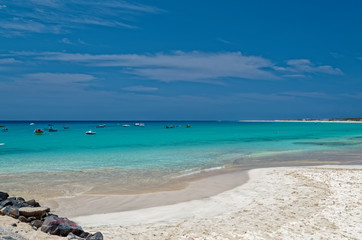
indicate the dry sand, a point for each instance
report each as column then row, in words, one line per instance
column 276, row 203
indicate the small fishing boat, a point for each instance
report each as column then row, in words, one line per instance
column 38, row 131
column 52, row 129
column 101, row 126
column 126, row 125
column 137, row 124
column 32, row 124
column 66, row 127
column 188, row 126
column 90, row 132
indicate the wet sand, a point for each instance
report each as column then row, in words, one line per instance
column 202, row 187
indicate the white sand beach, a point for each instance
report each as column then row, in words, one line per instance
column 322, row 202
column 276, row 203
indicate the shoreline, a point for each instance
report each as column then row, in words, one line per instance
column 295, row 202
column 276, row 203
column 197, row 187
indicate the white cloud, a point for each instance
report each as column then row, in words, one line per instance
column 60, row 78
column 66, row 41
column 224, row 41
column 189, row 66
column 305, row 65
column 140, row 89
column 56, row 16
column 8, row 61
column 178, row 66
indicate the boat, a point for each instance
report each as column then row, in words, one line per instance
column 38, row 131
column 32, row 124
column 137, row 124
column 188, row 126
column 126, row 125
column 66, row 127
column 52, row 129
column 142, row 124
column 90, row 132
column 101, row 126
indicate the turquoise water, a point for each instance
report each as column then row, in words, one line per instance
column 205, row 145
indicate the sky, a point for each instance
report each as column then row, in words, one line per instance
column 180, row 60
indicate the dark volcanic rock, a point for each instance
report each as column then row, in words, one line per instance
column 31, row 219
column 31, row 202
column 3, row 196
column 84, row 234
column 23, row 219
column 7, row 202
column 20, row 199
column 96, row 236
column 10, row 211
column 37, row 223
column 71, row 236
column 60, row 226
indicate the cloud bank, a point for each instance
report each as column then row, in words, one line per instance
column 192, row 66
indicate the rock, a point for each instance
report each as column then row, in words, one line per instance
column 37, row 223
column 31, row 202
column 14, row 225
column 23, row 219
column 31, row 219
column 7, row 202
column 3, row 196
column 10, row 211
column 36, row 212
column 60, row 226
column 20, row 199
column 71, row 236
column 84, row 234
column 96, row 236
column 20, row 204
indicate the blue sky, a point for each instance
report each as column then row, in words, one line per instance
column 194, row 60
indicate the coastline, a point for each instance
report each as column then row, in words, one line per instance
column 276, row 203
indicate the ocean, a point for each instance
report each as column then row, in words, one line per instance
column 151, row 156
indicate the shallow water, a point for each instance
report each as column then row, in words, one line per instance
column 137, row 159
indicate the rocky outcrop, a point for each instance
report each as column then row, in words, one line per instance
column 39, row 217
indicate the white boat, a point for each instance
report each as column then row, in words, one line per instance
column 126, row 125
column 32, row 124
column 137, row 124
column 90, row 132
column 101, row 126
column 142, row 124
